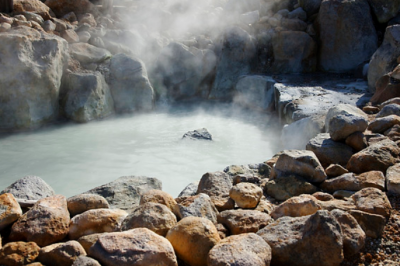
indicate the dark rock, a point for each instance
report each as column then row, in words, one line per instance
column 198, row 134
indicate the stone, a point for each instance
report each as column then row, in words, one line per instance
column 88, row 241
column 372, row 224
column 244, row 249
column 393, row 133
column 10, row 211
column 189, row 190
column 61, row 8
column 45, row 223
column 87, row 18
column 4, row 27
column 87, row 54
column 246, row 195
column 296, row 135
column 302, row 205
column 125, row 192
column 353, row 234
column 199, row 206
column 374, row 179
column 343, row 120
column 84, row 202
column 384, row 10
column 306, row 240
column 343, row 194
column 154, row 216
column 343, row 182
column 41, row 63
column 302, row 163
column 243, row 221
column 198, row 134
column 217, row 186
column 322, row 196
column 384, row 60
column 265, row 206
column 296, row 25
column 134, row 247
column 130, row 86
column 18, row 253
column 357, row 141
column 294, row 51
column 311, row 7
column 34, row 6
column 380, row 125
column 238, row 50
column 96, row 221
column 372, row 200
column 329, row 151
column 192, row 239
column 393, row 179
column 344, row 205
column 377, row 157
column 158, row 196
column 33, row 17
column 248, row 178
column 61, row 254
column 85, row 261
column 342, row 48
column 288, row 186
column 70, row 17
column 84, row 36
column 388, row 109
column 335, row 170
column 70, row 36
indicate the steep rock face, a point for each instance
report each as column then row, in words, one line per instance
column 32, row 64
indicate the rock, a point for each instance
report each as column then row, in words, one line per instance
column 41, row 63
column 247, row 178
column 70, row 36
column 192, row 239
column 154, row 216
column 234, row 170
column 288, row 186
column 384, row 90
column 393, row 133
column 96, row 221
column 343, row 194
column 303, row 163
column 246, row 195
column 244, row 249
column 199, row 206
column 311, row 7
column 372, row 200
column 10, row 211
column 372, row 224
column 85, row 261
column 18, row 253
column 4, row 27
column 243, row 221
column 343, row 48
column 158, row 196
column 296, row 206
column 306, row 240
column 124, row 193
column 294, row 52
column 329, row 151
column 384, row 59
column 130, row 86
column 198, row 134
column 393, row 179
column 322, row 196
column 217, row 185
column 84, row 36
column 134, row 247
column 343, row 120
column 357, row 141
column 344, row 205
column 45, row 223
column 61, row 8
column 297, row 134
column 6, row 19
column 374, row 179
column 388, row 109
column 189, row 190
column 84, row 202
column 33, row 17
column 378, row 156
column 297, row 25
column 384, row 10
column 237, row 52
column 61, row 254
column 380, row 125
column 70, row 17
column 87, row 18
column 344, row 182
column 88, row 241
column 87, row 54
column 335, row 170
column 34, row 6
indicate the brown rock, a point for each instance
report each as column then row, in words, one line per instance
column 34, row 6
column 10, row 211
column 335, row 170
column 5, row 19
column 374, row 179
column 343, row 182
column 84, row 202
column 61, row 254
column 385, row 90
column 285, row 187
column 199, row 206
column 158, row 196
column 89, row 240
column 246, row 195
column 18, row 253
column 297, row 206
column 357, row 141
column 372, row 224
column 61, row 8
column 393, row 133
column 85, row 261
column 322, row 196
column 243, row 221
column 265, row 206
column 87, row 18
column 372, row 200
column 45, row 223
column 343, row 194
column 393, row 179
column 343, row 205
column 70, row 36
column 192, row 239
column 380, row 125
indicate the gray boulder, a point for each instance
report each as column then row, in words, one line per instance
column 297, row 134
column 385, row 10
column 217, row 185
column 198, row 206
column 29, row 188
column 189, row 190
column 389, row 109
column 393, row 179
column 86, row 53
column 344, row 47
column 198, row 134
column 85, row 261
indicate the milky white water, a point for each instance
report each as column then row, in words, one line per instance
column 74, row 158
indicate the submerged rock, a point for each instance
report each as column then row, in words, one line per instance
column 198, row 134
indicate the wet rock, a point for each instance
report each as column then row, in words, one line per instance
column 158, row 196
column 10, row 211
column 45, row 223
column 61, row 8
column 384, row 10
column 192, row 239
column 288, row 186
column 246, row 195
column 243, row 221
column 344, row 182
column 18, row 253
column 307, row 240
column 198, row 134
column 244, row 249
column 61, row 254
column 199, row 206
column 87, row 54
column 217, row 185
column 84, row 202
column 393, row 179
column 96, row 221
column 372, row 200
column 154, row 216
column 296, row 206
column 85, row 261
column 372, row 224
column 137, row 246
column 374, row 179
column 380, row 125
column 335, row 170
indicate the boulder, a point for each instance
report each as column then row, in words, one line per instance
column 246, row 195
column 158, row 196
column 344, row 205
column 217, row 186
column 385, row 90
column 343, row 48
column 45, row 223
column 61, row 254
column 302, row 205
column 372, row 224
column 29, row 188
column 385, row 10
column 84, row 202
column 378, row 156
column 139, row 246
column 86, row 53
column 96, row 221
column 192, row 239
column 393, row 179
column 19, row 253
column 61, row 8
column 130, row 86
column 39, row 58
column 154, row 216
column 199, row 206
column 335, row 170
column 307, row 240
column 10, row 211
column 296, row 135
column 343, row 194
column 343, row 120
column 357, row 141
column 285, row 187
column 389, row 109
column 198, row 134
column 322, row 196
column 243, row 221
column 87, row 97
column 374, row 179
column 189, row 190
column 372, row 200
column 329, row 151
column 343, row 182
column 124, row 193
column 244, row 249
column 393, row 133
column 70, row 36
column 380, row 125
column 88, row 241
column 85, row 261
column 237, row 52
column 34, row 6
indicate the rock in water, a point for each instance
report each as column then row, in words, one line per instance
column 198, row 134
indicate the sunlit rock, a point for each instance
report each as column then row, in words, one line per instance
column 62, row 254
column 198, row 206
column 246, row 195
column 158, row 196
column 372, row 200
column 198, row 134
column 393, row 179
column 19, row 253
column 84, row 202
column 297, row 206
column 243, row 221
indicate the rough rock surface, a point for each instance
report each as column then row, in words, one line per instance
column 297, row 206
column 198, row 134
column 199, row 206
column 84, row 202
column 246, row 195
column 285, row 187
column 372, row 200
column 10, row 211
column 384, row 10
column 62, row 254
column 343, row 182
column 18, row 253
column 372, row 224
column 87, row 53
column 243, row 221
column 85, row 261
column 30, row 188
column 158, row 196
column 380, row 125
column 393, row 179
